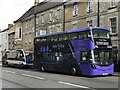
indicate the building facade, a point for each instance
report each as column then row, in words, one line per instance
column 28, row 29
column 0, row 46
column 11, row 37
column 3, row 41
column 18, row 34
column 75, row 15
column 49, row 19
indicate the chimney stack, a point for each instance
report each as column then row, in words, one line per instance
column 10, row 25
column 36, row 2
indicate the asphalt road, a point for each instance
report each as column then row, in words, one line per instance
column 27, row 78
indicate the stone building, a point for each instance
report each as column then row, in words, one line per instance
column 75, row 15
column 24, row 29
column 11, row 37
column 49, row 17
column 28, row 21
column 18, row 34
column 3, row 41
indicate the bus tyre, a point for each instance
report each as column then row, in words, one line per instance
column 73, row 71
column 42, row 68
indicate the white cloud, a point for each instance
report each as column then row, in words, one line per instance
column 11, row 10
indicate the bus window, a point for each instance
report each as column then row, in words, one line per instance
column 37, row 40
column 54, row 38
column 82, row 35
column 85, row 57
column 100, row 34
column 48, row 39
column 88, row 34
column 43, row 40
column 64, row 37
column 73, row 36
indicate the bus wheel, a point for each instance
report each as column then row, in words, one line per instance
column 42, row 68
column 73, row 71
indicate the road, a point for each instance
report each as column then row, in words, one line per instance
column 27, row 78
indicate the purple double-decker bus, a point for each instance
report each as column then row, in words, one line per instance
column 86, row 51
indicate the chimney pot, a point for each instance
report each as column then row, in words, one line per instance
column 36, row 2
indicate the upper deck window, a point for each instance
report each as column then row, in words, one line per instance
column 40, row 40
column 63, row 37
column 100, row 34
column 37, row 40
column 82, row 35
column 73, row 36
column 54, row 38
column 43, row 40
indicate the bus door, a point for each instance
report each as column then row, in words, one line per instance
column 64, row 61
column 85, row 58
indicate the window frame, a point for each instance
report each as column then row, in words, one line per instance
column 43, row 18
column 20, row 32
column 75, row 9
column 111, row 31
column 89, row 7
column 113, row 3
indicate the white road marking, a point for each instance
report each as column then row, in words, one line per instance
column 33, row 76
column 9, row 71
column 73, row 85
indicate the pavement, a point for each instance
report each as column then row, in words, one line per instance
column 117, row 74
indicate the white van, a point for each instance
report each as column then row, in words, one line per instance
column 18, row 58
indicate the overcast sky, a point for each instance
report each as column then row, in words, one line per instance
column 11, row 10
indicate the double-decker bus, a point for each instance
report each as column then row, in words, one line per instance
column 86, row 51
column 18, row 58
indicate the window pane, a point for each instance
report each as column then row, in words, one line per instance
column 113, row 25
column 73, row 36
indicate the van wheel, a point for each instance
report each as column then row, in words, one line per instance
column 22, row 66
column 42, row 68
column 6, row 64
column 73, row 71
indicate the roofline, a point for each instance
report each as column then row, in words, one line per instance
column 20, row 19
column 4, row 30
column 49, row 8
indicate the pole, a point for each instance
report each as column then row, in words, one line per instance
column 98, row 14
column 35, row 20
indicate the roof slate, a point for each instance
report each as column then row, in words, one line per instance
column 39, row 8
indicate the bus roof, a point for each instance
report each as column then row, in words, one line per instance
column 47, row 35
column 86, row 29
column 73, row 30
